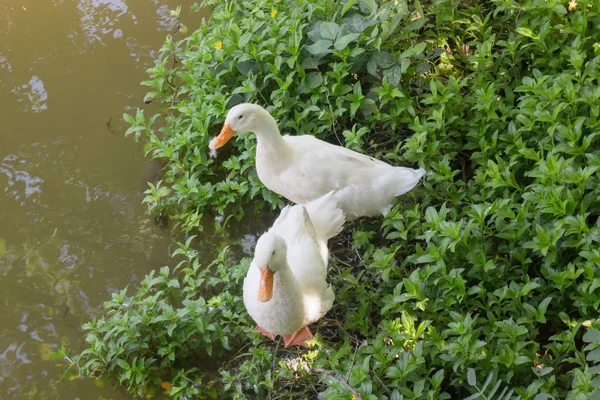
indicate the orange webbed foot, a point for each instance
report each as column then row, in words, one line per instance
column 298, row 338
column 267, row 334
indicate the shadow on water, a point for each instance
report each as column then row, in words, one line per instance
column 72, row 226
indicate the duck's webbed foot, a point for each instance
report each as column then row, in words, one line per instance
column 298, row 338
column 267, row 334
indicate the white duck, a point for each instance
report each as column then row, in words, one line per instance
column 304, row 168
column 285, row 288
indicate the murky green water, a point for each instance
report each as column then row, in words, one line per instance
column 72, row 226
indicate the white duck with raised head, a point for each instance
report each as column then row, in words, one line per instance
column 304, row 168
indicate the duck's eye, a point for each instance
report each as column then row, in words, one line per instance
column 240, row 117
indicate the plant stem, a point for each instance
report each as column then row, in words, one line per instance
column 340, row 378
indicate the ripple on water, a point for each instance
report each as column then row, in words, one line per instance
column 248, row 242
column 13, row 357
column 32, row 95
column 21, row 184
column 166, row 22
column 4, row 64
column 99, row 17
column 6, row 263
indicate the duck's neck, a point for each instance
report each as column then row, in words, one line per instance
column 286, row 285
column 268, row 137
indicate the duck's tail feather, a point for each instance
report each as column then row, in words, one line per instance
column 326, row 215
column 283, row 215
column 405, row 179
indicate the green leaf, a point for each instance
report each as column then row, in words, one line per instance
column 357, row 23
column 393, row 74
column 244, row 39
column 472, row 377
column 342, row 41
column 128, row 118
column 319, row 47
column 310, row 63
column 370, row 5
column 372, row 67
column 404, row 64
column 329, row 30
column 314, row 79
column 123, row 364
column 348, row 5
column 170, row 328
column 591, row 336
column 527, row 32
column 593, row 355
column 528, row 287
column 521, row 360
column 530, row 154
column 425, row 258
column 423, row 67
column 414, row 50
column 383, row 59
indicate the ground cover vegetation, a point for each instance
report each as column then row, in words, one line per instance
column 483, row 282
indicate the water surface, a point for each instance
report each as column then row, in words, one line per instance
column 72, row 226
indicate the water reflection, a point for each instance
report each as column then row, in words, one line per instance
column 72, row 226
column 165, row 21
column 21, row 184
column 4, row 64
column 54, row 274
column 99, row 17
column 139, row 51
column 5, row 22
column 32, row 94
column 13, row 357
column 248, row 243
column 6, row 262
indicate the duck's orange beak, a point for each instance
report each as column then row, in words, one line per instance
column 265, row 290
column 224, row 137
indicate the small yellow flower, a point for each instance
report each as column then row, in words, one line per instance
column 219, row 45
column 572, row 5
column 273, row 13
column 353, row 397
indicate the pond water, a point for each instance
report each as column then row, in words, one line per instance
column 72, row 226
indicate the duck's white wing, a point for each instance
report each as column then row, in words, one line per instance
column 326, row 216
column 363, row 185
column 318, row 155
column 318, row 167
column 304, row 255
column 306, row 261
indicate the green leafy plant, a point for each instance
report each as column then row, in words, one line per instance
column 488, row 390
column 161, row 336
column 489, row 267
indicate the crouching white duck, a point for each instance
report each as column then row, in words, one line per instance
column 286, row 286
column 304, row 168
